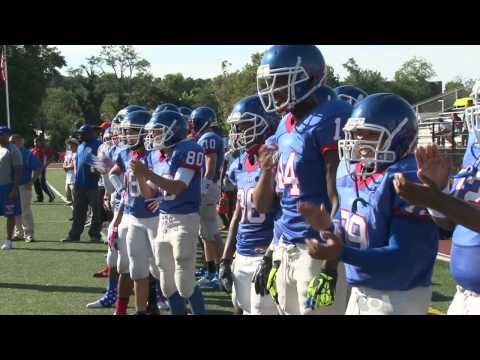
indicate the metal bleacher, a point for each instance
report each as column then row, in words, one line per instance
column 441, row 123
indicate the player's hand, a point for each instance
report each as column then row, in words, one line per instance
column 420, row 195
column 266, row 157
column 272, row 281
column 331, row 249
column 153, row 204
column 260, row 278
column 113, row 237
column 316, row 216
column 106, row 203
column 321, row 290
column 138, row 168
column 225, row 276
column 432, row 166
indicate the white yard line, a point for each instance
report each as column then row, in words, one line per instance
column 59, row 194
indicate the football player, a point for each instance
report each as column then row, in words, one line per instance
column 454, row 209
column 112, row 201
column 142, row 223
column 390, row 246
column 288, row 81
column 203, row 120
column 250, row 231
column 174, row 169
column 350, row 94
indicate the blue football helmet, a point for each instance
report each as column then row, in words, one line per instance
column 350, row 94
column 324, row 93
column 250, row 124
column 185, row 111
column 121, row 115
column 202, row 118
column 289, row 74
column 165, row 129
column 166, row 106
column 136, row 121
column 393, row 119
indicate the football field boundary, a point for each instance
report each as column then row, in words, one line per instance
column 58, row 193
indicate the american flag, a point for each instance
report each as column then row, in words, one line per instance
column 3, row 67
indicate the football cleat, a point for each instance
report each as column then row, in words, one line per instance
column 7, row 245
column 106, row 301
column 209, row 281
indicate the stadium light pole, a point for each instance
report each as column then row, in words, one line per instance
column 443, row 104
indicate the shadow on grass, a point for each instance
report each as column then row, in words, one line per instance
column 436, row 296
column 62, row 250
column 53, row 288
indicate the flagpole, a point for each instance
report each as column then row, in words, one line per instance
column 6, row 85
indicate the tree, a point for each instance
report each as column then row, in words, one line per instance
column 59, row 115
column 124, row 63
column 460, row 83
column 30, row 69
column 88, row 88
column 367, row 80
column 412, row 80
column 332, row 79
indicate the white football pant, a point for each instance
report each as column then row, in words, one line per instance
column 175, row 250
column 208, row 213
column 366, row 301
column 243, row 291
column 297, row 269
column 465, row 302
column 140, row 241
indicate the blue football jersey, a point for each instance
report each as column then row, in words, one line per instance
column 188, row 155
column 135, row 202
column 465, row 254
column 255, row 230
column 212, row 143
column 389, row 244
column 301, row 166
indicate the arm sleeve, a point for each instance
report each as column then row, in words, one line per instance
column 184, row 175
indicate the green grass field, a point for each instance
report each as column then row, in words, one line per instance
column 48, row 277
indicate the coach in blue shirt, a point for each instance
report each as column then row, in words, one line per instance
column 86, row 188
column 24, row 225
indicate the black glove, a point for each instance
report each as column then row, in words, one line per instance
column 225, row 276
column 260, row 277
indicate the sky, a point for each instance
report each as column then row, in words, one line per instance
column 204, row 61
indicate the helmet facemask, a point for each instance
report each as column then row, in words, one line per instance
column 368, row 145
column 130, row 139
column 158, row 136
column 472, row 118
column 272, row 82
column 350, row 99
column 246, row 129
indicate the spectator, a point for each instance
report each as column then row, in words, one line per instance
column 69, row 167
column 43, row 153
column 86, row 188
column 10, row 172
column 24, row 225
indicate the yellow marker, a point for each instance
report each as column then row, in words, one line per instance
column 433, row 311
